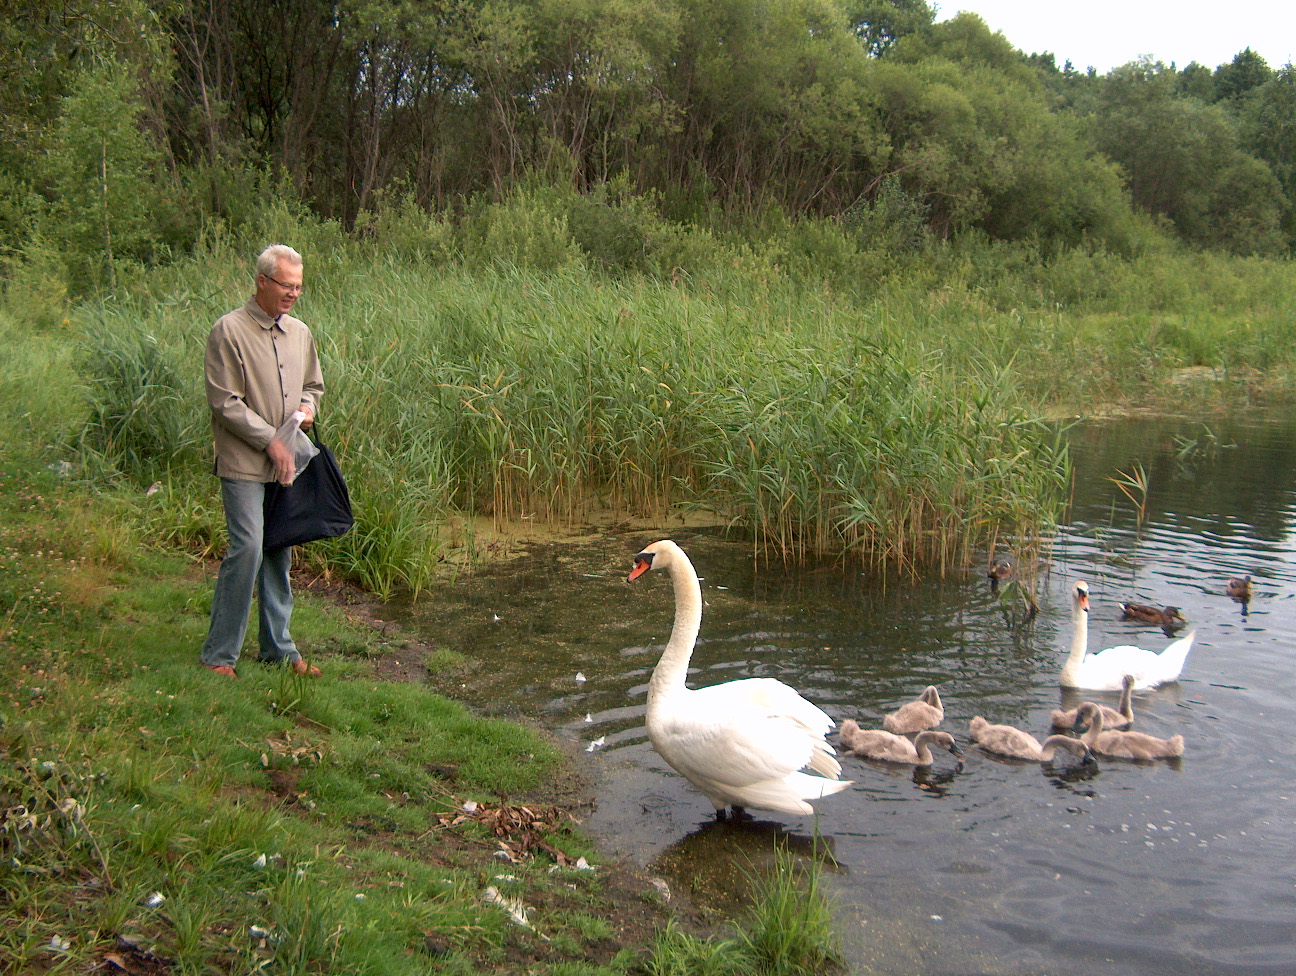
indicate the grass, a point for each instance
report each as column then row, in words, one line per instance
column 790, row 928
column 158, row 816
column 1133, row 484
column 787, row 931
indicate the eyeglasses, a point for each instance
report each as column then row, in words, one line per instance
column 291, row 289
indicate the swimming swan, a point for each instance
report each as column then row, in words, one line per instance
column 925, row 713
column 876, row 744
column 1103, row 671
column 742, row 743
column 1120, row 717
column 1125, row 745
column 1005, row 740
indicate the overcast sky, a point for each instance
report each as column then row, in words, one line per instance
column 1106, row 33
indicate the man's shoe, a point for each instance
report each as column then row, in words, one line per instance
column 301, row 667
column 222, row 669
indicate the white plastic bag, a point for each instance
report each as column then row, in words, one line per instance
column 302, row 447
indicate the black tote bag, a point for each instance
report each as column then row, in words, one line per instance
column 315, row 506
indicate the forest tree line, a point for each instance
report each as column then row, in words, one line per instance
column 129, row 129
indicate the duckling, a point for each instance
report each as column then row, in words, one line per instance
column 1239, row 588
column 1005, row 740
column 1168, row 619
column 1125, row 745
column 1000, row 570
column 1121, row 717
column 915, row 716
column 876, row 744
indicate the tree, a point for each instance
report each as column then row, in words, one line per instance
column 44, row 51
column 975, row 139
column 1183, row 159
column 1197, row 81
column 105, row 177
column 880, row 23
column 775, row 105
column 966, row 39
column 1268, row 121
column 1245, row 72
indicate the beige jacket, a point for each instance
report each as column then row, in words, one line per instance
column 259, row 371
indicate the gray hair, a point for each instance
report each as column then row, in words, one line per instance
column 268, row 260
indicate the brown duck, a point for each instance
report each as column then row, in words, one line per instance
column 999, row 571
column 1168, row 619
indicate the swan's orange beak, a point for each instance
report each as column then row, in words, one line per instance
column 642, row 563
column 1084, row 602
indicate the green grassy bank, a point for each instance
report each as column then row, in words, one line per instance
column 156, row 818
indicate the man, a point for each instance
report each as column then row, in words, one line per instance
column 260, row 365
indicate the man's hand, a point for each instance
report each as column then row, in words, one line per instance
column 285, row 465
column 309, row 419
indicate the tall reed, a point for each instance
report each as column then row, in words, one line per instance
column 552, row 397
column 894, row 421
column 812, row 428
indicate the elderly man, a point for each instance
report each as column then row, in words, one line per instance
column 261, row 366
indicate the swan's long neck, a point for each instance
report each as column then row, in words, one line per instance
column 1054, row 742
column 1126, row 707
column 922, row 746
column 1090, row 738
column 1079, row 644
column 672, row 669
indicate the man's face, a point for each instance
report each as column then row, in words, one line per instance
column 277, row 293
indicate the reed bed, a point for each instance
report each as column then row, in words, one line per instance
column 893, row 419
column 814, row 428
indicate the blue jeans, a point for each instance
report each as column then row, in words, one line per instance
column 247, row 566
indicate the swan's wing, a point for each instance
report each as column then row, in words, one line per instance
column 1104, row 670
column 1017, row 738
column 767, row 694
column 775, row 699
column 913, row 716
column 736, row 746
column 1125, row 652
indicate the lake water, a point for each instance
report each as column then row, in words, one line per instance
column 989, row 866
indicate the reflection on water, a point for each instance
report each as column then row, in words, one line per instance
column 990, row 866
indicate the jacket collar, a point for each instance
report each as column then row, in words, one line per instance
column 260, row 317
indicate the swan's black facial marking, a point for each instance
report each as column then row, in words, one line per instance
column 642, row 563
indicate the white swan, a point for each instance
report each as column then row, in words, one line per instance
column 888, row 747
column 915, row 716
column 1104, row 670
column 1006, row 740
column 742, row 743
